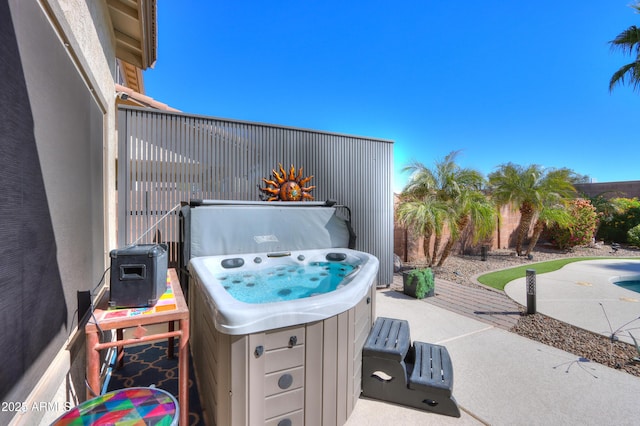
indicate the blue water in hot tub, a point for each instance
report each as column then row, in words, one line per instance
column 285, row 282
column 633, row 285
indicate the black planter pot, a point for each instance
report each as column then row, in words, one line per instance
column 410, row 290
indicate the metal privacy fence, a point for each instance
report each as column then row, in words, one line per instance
column 166, row 158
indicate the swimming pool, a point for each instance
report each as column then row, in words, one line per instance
column 632, row 283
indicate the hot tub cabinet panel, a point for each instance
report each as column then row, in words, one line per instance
column 307, row 373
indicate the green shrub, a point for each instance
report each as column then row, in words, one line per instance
column 582, row 228
column 633, row 236
column 423, row 281
column 615, row 226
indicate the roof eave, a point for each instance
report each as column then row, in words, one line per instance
column 135, row 30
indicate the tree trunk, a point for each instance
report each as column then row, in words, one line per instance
column 426, row 242
column 436, row 246
column 446, row 251
column 461, row 225
column 537, row 231
column 526, row 216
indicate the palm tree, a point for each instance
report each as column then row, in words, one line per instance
column 425, row 216
column 474, row 209
column 629, row 42
column 549, row 215
column 422, row 181
column 528, row 189
column 452, row 196
column 422, row 209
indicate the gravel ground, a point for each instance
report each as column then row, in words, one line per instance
column 586, row 345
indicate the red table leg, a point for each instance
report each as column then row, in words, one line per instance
column 120, row 350
column 183, row 373
column 93, row 366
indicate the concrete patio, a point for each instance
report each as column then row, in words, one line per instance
column 502, row 378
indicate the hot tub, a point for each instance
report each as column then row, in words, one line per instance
column 273, row 361
column 233, row 316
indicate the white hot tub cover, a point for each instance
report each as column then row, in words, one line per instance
column 211, row 228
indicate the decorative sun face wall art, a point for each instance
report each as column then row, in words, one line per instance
column 286, row 186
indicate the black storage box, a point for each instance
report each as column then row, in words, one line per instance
column 138, row 275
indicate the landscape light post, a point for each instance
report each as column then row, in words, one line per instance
column 531, row 291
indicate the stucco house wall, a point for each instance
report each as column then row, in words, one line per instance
column 57, row 166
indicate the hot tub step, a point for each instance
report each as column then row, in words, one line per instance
column 418, row 375
column 432, row 370
column 389, row 338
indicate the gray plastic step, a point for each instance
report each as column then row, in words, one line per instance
column 389, row 338
column 418, row 375
column 432, row 370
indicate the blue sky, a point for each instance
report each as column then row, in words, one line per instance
column 502, row 81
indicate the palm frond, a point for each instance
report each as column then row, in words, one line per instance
column 627, row 41
column 627, row 74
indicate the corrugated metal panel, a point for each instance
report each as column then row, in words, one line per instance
column 166, row 158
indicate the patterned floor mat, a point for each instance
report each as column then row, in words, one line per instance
column 147, row 365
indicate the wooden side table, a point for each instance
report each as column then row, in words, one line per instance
column 170, row 307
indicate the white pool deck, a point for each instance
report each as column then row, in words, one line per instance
column 502, row 378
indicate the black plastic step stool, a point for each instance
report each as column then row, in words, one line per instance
column 394, row 370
